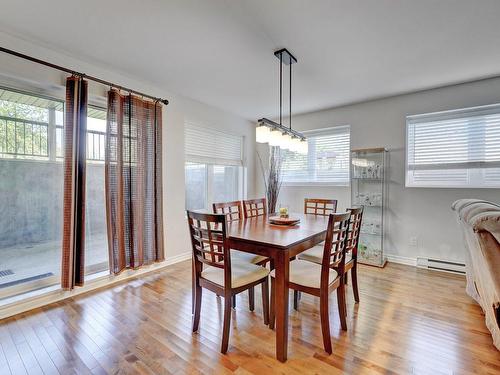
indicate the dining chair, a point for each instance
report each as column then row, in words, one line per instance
column 214, row 270
column 321, row 279
column 322, row 207
column 315, row 254
column 234, row 212
column 319, row 207
column 254, row 207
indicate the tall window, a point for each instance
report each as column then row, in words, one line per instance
column 31, row 191
column 214, row 167
column 459, row 148
column 327, row 161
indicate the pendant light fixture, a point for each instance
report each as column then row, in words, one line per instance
column 276, row 134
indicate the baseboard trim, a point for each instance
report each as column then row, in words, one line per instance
column 41, row 297
column 401, row 260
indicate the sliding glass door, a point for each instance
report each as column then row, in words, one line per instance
column 96, row 242
column 31, row 191
column 31, row 187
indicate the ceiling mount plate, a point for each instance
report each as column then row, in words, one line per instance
column 285, row 56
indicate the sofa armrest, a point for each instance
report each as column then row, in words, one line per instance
column 491, row 251
column 488, row 222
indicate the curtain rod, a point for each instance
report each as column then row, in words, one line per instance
column 70, row 71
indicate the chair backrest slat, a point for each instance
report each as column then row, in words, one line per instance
column 208, row 240
column 335, row 248
column 354, row 230
column 254, row 207
column 321, row 207
column 232, row 210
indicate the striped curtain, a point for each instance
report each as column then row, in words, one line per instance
column 73, row 247
column 133, row 181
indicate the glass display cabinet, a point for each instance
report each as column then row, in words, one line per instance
column 369, row 189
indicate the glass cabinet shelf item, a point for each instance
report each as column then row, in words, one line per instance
column 369, row 169
column 371, row 234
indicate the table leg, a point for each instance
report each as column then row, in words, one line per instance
column 281, row 264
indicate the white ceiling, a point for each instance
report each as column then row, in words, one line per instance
column 221, row 52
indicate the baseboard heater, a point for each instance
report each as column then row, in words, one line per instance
column 441, row 265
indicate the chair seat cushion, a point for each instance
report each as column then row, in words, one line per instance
column 240, row 256
column 307, row 274
column 315, row 255
column 241, row 274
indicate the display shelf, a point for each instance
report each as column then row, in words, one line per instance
column 369, row 189
column 370, row 234
column 366, row 178
column 366, row 205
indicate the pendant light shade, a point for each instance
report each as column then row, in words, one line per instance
column 303, row 147
column 287, row 142
column 295, row 145
column 275, row 138
column 262, row 134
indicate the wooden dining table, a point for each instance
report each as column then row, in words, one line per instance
column 280, row 243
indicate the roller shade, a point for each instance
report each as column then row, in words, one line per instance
column 327, row 161
column 459, row 148
column 209, row 146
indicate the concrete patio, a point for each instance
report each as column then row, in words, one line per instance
column 30, row 262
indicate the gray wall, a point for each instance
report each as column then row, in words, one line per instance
column 31, row 201
column 413, row 212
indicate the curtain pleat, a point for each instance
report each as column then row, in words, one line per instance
column 133, row 182
column 75, row 139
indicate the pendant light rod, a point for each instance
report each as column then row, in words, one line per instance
column 290, row 103
column 281, row 87
column 286, row 58
column 83, row 75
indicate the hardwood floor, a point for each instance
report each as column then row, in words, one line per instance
column 409, row 321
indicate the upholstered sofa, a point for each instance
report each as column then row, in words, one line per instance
column 480, row 222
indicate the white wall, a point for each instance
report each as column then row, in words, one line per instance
column 179, row 111
column 421, row 212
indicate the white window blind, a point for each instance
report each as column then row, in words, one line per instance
column 459, row 148
column 327, row 161
column 209, row 146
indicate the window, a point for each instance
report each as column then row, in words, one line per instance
column 31, row 191
column 213, row 169
column 27, row 125
column 459, row 148
column 327, row 161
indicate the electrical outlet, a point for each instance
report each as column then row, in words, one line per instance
column 414, row 241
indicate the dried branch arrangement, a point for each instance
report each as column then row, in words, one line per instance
column 272, row 177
